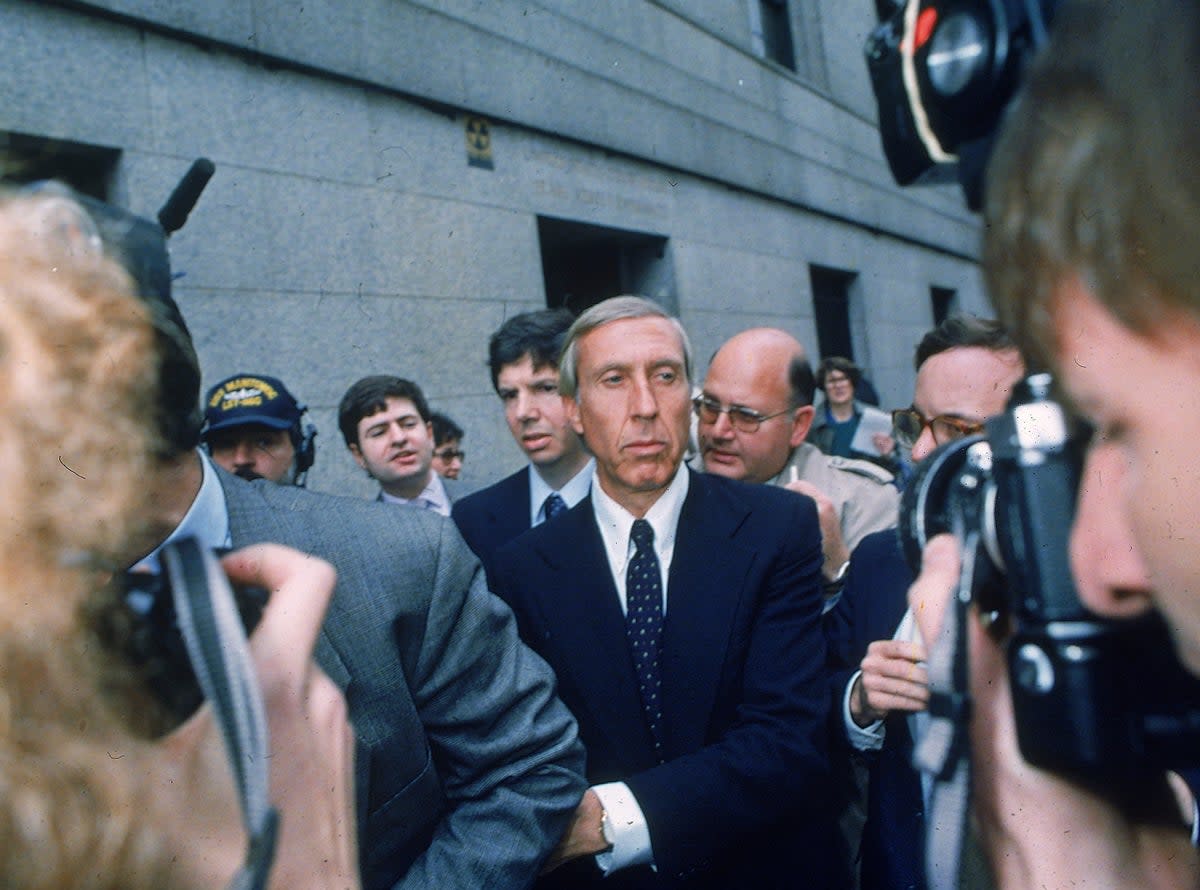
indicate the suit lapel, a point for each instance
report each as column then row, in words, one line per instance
column 508, row 510
column 579, row 601
column 251, row 521
column 704, row 591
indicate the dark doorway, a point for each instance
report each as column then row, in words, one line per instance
column 831, row 310
column 89, row 169
column 583, row 264
column 944, row 302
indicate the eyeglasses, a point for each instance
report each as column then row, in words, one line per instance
column 744, row 420
column 908, row 424
column 450, row 454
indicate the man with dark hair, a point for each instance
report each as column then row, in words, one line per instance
column 1092, row 256
column 385, row 422
column 966, row 368
column 523, row 358
column 423, row 653
column 681, row 613
column 754, row 412
column 253, row 427
column 447, row 446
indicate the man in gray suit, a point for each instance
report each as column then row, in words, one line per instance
column 468, row 767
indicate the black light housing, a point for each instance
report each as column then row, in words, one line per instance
column 943, row 72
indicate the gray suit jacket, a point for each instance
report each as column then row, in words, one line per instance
column 469, row 767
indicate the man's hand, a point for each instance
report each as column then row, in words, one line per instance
column 311, row 751
column 583, row 837
column 1039, row 829
column 893, row 678
column 833, row 546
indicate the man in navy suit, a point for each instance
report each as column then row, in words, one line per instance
column 681, row 614
column 966, row 368
column 523, row 358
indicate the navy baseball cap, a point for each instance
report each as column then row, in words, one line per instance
column 250, row 398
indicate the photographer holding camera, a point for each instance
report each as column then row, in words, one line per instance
column 87, row 801
column 1091, row 256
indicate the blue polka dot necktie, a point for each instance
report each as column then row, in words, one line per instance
column 643, row 624
column 553, row 505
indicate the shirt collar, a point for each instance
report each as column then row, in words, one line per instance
column 207, row 519
column 615, row 522
column 572, row 493
column 434, row 494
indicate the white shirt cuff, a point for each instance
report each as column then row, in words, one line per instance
column 627, row 829
column 862, row 738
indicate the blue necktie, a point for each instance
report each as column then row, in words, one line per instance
column 644, row 623
column 553, row 505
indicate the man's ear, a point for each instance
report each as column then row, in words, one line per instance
column 802, row 419
column 571, row 407
column 357, row 454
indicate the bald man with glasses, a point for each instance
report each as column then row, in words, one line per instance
column 966, row 369
column 754, row 412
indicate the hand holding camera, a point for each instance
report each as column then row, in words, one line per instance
column 311, row 743
column 1096, row 698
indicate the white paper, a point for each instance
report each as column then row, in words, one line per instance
column 872, row 422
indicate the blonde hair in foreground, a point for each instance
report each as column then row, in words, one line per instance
column 76, row 391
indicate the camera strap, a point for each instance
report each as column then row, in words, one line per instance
column 943, row 751
column 220, row 656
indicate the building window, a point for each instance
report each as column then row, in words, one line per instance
column 944, row 301
column 771, row 31
column 584, row 264
column 89, row 169
column 831, row 290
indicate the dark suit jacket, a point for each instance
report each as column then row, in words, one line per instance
column 739, row 802
column 871, row 607
column 468, row 766
column 493, row 516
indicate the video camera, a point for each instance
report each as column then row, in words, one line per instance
column 1093, row 697
column 943, row 72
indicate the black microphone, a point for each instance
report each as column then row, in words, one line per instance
column 174, row 212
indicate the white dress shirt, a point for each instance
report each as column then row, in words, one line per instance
column 207, row 519
column 628, row 831
column 572, row 493
column 432, row 497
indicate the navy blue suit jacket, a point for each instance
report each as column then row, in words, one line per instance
column 871, row 607
column 493, row 516
column 740, row 800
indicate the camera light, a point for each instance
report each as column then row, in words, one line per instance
column 957, row 52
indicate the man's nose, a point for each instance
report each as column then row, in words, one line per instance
column 642, row 399
column 526, row 406
column 1108, row 567
column 925, row 444
column 722, row 427
column 244, row 454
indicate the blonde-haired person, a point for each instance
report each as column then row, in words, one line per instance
column 84, row 801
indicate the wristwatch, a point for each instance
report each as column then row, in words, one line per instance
column 834, row 584
column 606, row 828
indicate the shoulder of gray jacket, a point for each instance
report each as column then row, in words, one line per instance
column 864, row 468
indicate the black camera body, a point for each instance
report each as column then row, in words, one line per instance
column 151, row 639
column 1094, row 697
